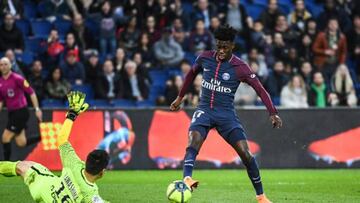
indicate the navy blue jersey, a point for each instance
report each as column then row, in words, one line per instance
column 221, row 80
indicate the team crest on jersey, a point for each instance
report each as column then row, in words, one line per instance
column 253, row 75
column 226, row 76
column 10, row 93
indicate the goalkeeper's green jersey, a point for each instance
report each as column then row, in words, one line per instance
column 73, row 180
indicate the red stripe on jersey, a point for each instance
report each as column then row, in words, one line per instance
column 213, row 92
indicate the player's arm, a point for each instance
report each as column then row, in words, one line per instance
column 24, row 85
column 246, row 75
column 189, row 78
column 77, row 105
column 1, row 105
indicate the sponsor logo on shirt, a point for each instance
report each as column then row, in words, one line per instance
column 10, row 93
column 215, row 85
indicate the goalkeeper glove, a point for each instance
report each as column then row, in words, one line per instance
column 77, row 104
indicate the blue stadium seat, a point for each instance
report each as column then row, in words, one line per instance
column 100, row 103
column 26, row 57
column 24, row 26
column 190, row 57
column 254, row 10
column 63, row 27
column 52, row 103
column 187, row 6
column 286, row 9
column 156, row 91
column 286, row 2
column 158, row 77
column 35, row 45
column 86, row 88
column 30, row 11
column 123, row 103
column 315, row 9
column 93, row 26
column 41, row 28
column 145, row 104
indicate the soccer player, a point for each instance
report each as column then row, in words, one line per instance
column 222, row 73
column 12, row 89
column 77, row 181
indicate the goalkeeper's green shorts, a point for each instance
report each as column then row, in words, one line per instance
column 41, row 182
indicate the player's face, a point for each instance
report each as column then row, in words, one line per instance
column 224, row 49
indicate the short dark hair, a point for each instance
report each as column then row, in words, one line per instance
column 96, row 161
column 225, row 33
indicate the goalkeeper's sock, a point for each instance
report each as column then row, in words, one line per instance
column 7, row 151
column 254, row 175
column 8, row 168
column 189, row 161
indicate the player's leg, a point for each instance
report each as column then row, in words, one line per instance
column 6, row 140
column 20, row 139
column 237, row 139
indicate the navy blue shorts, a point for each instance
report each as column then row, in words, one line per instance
column 225, row 122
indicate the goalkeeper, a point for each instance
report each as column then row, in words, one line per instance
column 77, row 181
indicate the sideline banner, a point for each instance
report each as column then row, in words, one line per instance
column 156, row 139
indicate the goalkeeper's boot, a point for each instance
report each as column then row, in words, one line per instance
column 191, row 183
column 262, row 199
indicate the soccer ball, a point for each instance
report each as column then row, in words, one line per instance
column 178, row 192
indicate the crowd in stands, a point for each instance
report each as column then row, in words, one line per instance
column 137, row 53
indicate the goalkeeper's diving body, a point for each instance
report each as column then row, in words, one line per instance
column 77, row 181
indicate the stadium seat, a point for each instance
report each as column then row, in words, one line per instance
column 26, row 57
column 315, row 9
column 41, row 28
column 30, row 11
column 123, row 103
column 99, row 103
column 93, row 26
column 52, row 103
column 63, row 27
column 35, row 45
column 158, row 77
column 24, row 26
column 286, row 9
column 190, row 57
column 254, row 10
column 145, row 104
column 187, row 6
column 86, row 88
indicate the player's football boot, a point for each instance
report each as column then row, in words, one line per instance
column 262, row 199
column 191, row 183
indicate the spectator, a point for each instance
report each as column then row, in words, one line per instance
column 180, row 36
column 108, row 84
column 141, row 68
column 331, row 11
column 150, row 8
column 129, row 37
column 185, row 67
column 54, row 47
column 319, row 94
column 163, row 14
column 193, row 97
column 178, row 12
column 16, row 66
column 262, row 69
column 154, row 34
column 204, row 11
column 83, row 36
column 13, row 7
column 311, row 29
column 245, row 95
column 92, row 68
column 168, row 52
column 173, row 88
column 268, row 16
column 214, row 24
column 201, row 39
column 297, row 18
column 145, row 50
column 306, row 73
column 354, row 43
column 277, row 80
column 36, row 80
column 257, row 36
column 280, row 48
column 71, row 45
column 119, row 61
column 294, row 94
column 57, row 87
column 237, row 17
column 330, row 49
column 54, row 9
column 305, row 48
column 293, row 61
column 79, row 6
column 73, row 71
column 134, row 83
column 10, row 36
column 343, row 86
column 107, row 30
column 289, row 35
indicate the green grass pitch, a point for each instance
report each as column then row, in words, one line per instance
column 220, row 186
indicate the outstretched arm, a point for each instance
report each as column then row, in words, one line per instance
column 76, row 106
